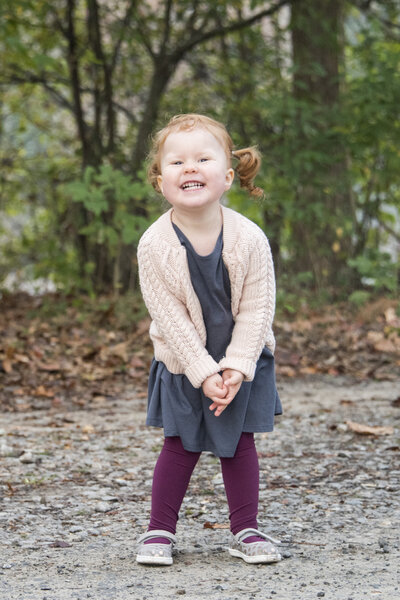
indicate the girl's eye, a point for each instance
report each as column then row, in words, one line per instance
column 177, row 162
column 203, row 159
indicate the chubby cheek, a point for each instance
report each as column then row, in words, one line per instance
column 168, row 188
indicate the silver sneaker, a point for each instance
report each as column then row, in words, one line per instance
column 254, row 552
column 155, row 554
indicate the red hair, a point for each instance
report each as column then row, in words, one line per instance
column 249, row 158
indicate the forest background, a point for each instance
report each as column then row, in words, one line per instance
column 83, row 85
column 314, row 84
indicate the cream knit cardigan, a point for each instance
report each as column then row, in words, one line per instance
column 177, row 329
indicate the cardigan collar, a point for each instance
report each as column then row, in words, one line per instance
column 230, row 228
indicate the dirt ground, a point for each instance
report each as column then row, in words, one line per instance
column 75, row 495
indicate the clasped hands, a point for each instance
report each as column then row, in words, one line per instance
column 221, row 389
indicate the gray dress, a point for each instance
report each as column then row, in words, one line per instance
column 181, row 409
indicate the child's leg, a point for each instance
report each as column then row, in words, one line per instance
column 241, row 479
column 171, row 478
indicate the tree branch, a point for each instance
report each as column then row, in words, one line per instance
column 20, row 76
column 389, row 229
column 92, row 25
column 164, row 66
column 220, row 31
column 75, row 79
column 143, row 33
column 191, row 21
column 125, row 23
column 33, row 78
column 129, row 115
column 167, row 23
column 57, row 21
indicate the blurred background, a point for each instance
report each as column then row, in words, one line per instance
column 315, row 84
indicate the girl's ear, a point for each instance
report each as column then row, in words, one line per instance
column 230, row 174
column 159, row 183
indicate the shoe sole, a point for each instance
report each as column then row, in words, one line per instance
column 154, row 560
column 261, row 558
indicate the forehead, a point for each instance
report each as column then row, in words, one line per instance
column 196, row 138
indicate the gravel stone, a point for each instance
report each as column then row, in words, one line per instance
column 75, row 511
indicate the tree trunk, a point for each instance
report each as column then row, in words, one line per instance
column 163, row 70
column 322, row 192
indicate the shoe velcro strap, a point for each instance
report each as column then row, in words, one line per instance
column 245, row 533
column 155, row 533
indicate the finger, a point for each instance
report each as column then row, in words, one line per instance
column 219, row 410
column 232, row 391
column 220, row 393
column 214, row 405
column 233, row 380
column 215, row 394
column 222, row 401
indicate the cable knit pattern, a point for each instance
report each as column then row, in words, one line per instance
column 177, row 329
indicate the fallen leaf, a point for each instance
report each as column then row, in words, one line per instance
column 333, row 371
column 18, row 392
column 48, row 366
column 137, row 362
column 41, row 391
column 208, row 525
column 99, row 399
column 285, row 357
column 119, row 350
column 36, row 351
column 374, row 337
column 96, row 374
column 7, row 365
column 286, row 370
column 88, row 429
column 369, row 429
column 391, row 317
column 22, row 358
column 308, row 370
column 385, row 345
column 134, row 374
column 10, row 488
column 143, row 327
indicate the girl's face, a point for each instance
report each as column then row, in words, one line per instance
column 194, row 169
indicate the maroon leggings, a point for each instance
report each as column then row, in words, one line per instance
column 172, row 474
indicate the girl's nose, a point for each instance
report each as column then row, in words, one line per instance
column 190, row 166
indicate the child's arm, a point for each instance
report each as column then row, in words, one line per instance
column 171, row 317
column 253, row 322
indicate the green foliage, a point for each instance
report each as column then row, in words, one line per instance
column 106, row 195
column 359, row 297
column 333, row 171
column 377, row 270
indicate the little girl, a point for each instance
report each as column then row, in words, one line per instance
column 207, row 279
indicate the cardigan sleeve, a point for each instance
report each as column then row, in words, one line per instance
column 172, row 319
column 253, row 323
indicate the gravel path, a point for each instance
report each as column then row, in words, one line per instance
column 75, row 494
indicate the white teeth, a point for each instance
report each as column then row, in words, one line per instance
column 192, row 184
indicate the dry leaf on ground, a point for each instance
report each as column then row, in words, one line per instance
column 369, row 429
column 208, row 525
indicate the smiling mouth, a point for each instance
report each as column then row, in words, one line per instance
column 192, row 185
